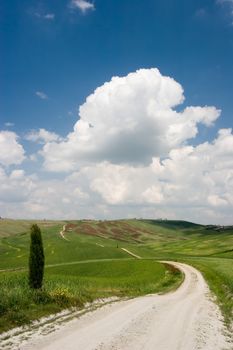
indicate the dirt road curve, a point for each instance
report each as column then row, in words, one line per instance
column 183, row 320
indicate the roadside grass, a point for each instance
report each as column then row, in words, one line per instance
column 218, row 273
column 74, row 285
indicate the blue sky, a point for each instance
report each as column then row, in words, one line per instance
column 56, row 53
column 69, row 56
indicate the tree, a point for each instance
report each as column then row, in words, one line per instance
column 36, row 258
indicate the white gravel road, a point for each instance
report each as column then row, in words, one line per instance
column 186, row 319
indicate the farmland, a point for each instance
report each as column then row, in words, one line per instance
column 87, row 262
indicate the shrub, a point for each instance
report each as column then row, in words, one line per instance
column 61, row 296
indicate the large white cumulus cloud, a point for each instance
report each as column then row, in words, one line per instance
column 200, row 176
column 193, row 182
column 128, row 120
column 130, row 154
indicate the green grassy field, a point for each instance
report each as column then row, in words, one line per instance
column 81, row 245
column 73, row 285
column 90, row 263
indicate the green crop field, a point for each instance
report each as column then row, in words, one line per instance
column 91, row 259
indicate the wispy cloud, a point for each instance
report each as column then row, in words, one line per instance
column 230, row 5
column 201, row 13
column 49, row 16
column 82, row 5
column 45, row 16
column 71, row 113
column 9, row 124
column 224, row 1
column 41, row 95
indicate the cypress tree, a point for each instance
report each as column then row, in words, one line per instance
column 36, row 258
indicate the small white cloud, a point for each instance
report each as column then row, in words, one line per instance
column 216, row 200
column 153, row 194
column 33, row 157
column 49, row 16
column 9, row 124
column 42, row 136
column 200, row 13
column 41, row 95
column 46, row 16
column 11, row 152
column 17, row 174
column 15, row 188
column 82, row 5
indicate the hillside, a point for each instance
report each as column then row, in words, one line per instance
column 91, row 239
